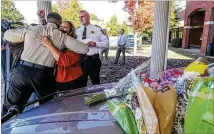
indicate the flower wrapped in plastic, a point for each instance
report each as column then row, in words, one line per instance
column 120, row 89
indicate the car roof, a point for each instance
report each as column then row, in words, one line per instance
column 69, row 112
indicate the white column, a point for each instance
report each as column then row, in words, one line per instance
column 45, row 5
column 135, row 34
column 160, row 38
column 135, row 44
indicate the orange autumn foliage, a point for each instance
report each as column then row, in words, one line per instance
column 141, row 17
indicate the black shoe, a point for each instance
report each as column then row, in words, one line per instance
column 115, row 62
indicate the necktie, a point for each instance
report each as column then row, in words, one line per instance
column 84, row 34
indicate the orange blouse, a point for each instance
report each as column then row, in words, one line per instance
column 68, row 66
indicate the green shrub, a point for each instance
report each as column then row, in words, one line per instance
column 176, row 42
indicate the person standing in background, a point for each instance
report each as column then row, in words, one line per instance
column 122, row 43
column 105, row 51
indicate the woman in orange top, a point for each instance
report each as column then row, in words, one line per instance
column 68, row 70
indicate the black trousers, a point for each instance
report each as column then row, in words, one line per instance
column 119, row 50
column 91, row 67
column 26, row 80
column 63, row 86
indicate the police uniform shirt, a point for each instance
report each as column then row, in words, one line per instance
column 37, row 53
column 122, row 39
column 93, row 33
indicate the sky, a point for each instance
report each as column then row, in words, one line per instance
column 103, row 9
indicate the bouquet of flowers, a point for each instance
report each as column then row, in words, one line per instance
column 119, row 89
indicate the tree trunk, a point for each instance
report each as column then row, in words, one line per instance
column 160, row 38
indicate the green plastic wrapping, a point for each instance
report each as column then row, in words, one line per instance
column 124, row 116
column 200, row 111
column 133, row 104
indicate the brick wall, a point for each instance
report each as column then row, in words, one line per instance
column 191, row 9
column 194, row 5
column 198, row 19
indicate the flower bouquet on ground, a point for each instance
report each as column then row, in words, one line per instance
column 123, row 114
column 183, row 87
column 201, row 105
column 126, row 110
column 145, row 107
column 119, row 89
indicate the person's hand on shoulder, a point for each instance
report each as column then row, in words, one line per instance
column 44, row 41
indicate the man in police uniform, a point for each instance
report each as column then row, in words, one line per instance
column 35, row 72
column 93, row 36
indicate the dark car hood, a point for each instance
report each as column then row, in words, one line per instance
column 66, row 114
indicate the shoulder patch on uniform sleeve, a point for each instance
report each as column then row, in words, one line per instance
column 98, row 26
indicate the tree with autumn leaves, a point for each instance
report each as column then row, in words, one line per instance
column 142, row 15
column 69, row 10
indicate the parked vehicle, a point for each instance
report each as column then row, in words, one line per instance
column 66, row 114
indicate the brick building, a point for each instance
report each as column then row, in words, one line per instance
column 198, row 25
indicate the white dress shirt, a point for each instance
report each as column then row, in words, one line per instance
column 93, row 33
column 123, row 40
